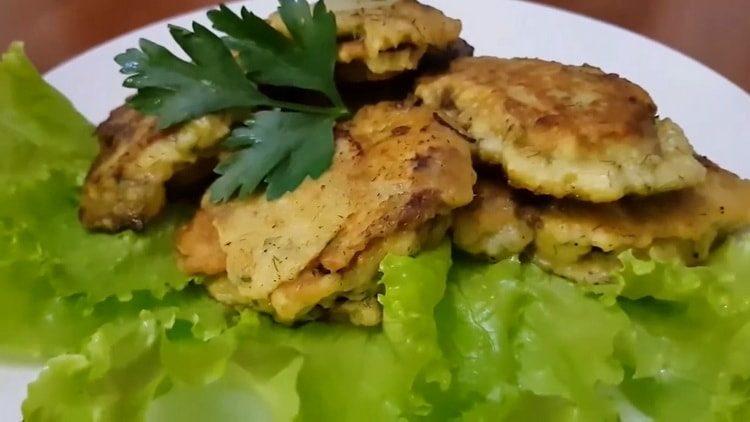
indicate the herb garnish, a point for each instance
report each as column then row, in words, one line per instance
column 285, row 141
column 283, row 147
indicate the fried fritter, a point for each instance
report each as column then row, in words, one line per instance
column 396, row 176
column 381, row 41
column 683, row 224
column 125, row 186
column 357, row 94
column 581, row 240
column 565, row 131
column 492, row 225
column 199, row 246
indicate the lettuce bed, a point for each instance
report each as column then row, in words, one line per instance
column 129, row 338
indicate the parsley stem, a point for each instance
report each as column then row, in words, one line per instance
column 338, row 110
column 337, row 100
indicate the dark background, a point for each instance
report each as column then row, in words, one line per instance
column 716, row 32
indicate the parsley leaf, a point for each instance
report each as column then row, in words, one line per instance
column 282, row 147
column 306, row 60
column 176, row 90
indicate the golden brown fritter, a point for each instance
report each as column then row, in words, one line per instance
column 125, row 186
column 199, row 248
column 381, row 41
column 396, row 176
column 683, row 224
column 314, row 292
column 492, row 225
column 358, row 93
column 581, row 240
column 566, row 131
column 366, row 312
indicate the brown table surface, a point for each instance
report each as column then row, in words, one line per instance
column 714, row 32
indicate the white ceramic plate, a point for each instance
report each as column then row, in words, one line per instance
column 714, row 113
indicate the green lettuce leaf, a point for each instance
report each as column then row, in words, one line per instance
column 414, row 287
column 41, row 131
column 119, row 371
column 521, row 341
column 52, row 272
column 160, row 365
column 525, row 345
column 687, row 349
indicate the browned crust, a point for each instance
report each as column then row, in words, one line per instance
column 199, row 248
column 552, row 102
column 397, row 174
column 380, row 42
column 126, row 184
column 121, row 137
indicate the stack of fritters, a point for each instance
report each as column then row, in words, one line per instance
column 125, row 187
column 577, row 167
column 396, row 176
column 574, row 167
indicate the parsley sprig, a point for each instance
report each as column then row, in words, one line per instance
column 284, row 142
column 306, row 60
column 306, row 149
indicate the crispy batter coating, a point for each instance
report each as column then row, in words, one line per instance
column 199, row 248
column 396, row 176
column 379, row 42
column 366, row 312
column 566, row 131
column 125, row 187
column 581, row 240
column 683, row 224
column 492, row 224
